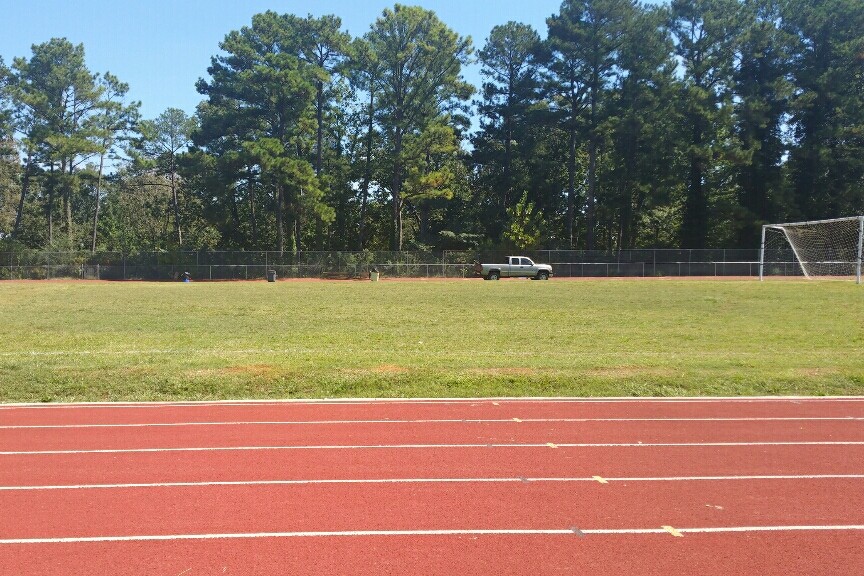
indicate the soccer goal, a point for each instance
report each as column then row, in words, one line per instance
column 816, row 249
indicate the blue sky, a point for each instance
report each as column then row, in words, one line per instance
column 161, row 47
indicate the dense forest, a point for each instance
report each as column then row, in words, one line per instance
column 622, row 125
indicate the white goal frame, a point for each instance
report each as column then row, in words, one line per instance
column 783, row 228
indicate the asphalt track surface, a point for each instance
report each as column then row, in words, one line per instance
column 492, row 486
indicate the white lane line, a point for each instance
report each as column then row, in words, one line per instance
column 430, row 481
column 427, row 421
column 490, row 400
column 427, row 447
column 391, row 533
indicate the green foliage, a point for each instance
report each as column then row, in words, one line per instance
column 418, row 62
column 705, row 32
column 9, row 187
column 162, row 139
column 260, row 96
column 827, row 165
column 511, row 67
column 428, row 158
column 526, row 224
column 634, row 124
column 67, row 116
column 763, row 89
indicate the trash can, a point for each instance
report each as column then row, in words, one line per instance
column 271, row 275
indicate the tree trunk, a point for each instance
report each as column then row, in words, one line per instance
column 298, row 222
column 49, row 208
column 629, row 188
column 571, row 186
column 508, row 149
column 592, row 166
column 298, row 211
column 174, row 200
column 319, row 157
column 695, row 225
column 67, row 207
column 25, row 188
column 396, row 243
column 592, row 180
column 367, row 172
column 235, row 211
column 251, row 193
column 280, row 224
column 98, row 193
column 424, row 215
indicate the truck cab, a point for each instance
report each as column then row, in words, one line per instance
column 514, row 267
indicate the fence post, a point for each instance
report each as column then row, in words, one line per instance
column 860, row 249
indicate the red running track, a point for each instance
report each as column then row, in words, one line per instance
column 430, row 433
column 258, row 465
column 533, row 505
column 52, row 414
column 762, row 554
column 785, row 525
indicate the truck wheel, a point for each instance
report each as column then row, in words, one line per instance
column 494, row 275
column 543, row 275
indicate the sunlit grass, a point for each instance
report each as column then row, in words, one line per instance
column 137, row 341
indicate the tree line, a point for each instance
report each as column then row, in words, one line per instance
column 628, row 125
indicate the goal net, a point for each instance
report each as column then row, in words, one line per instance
column 816, row 249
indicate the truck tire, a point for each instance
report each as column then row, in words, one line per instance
column 494, row 275
column 543, row 275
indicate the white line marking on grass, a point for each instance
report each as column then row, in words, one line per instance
column 427, row 421
column 391, row 533
column 425, row 447
column 519, row 480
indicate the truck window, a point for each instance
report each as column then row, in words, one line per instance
column 527, row 262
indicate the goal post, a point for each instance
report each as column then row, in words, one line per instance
column 814, row 249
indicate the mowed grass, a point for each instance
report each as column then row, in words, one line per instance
column 72, row 341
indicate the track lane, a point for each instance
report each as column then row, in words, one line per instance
column 59, row 414
column 772, row 553
column 766, row 554
column 483, row 462
column 429, row 506
column 440, row 433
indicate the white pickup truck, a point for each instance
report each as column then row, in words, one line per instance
column 516, row 267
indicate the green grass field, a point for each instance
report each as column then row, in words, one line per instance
column 72, row 341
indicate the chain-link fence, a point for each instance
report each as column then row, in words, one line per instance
column 254, row 265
